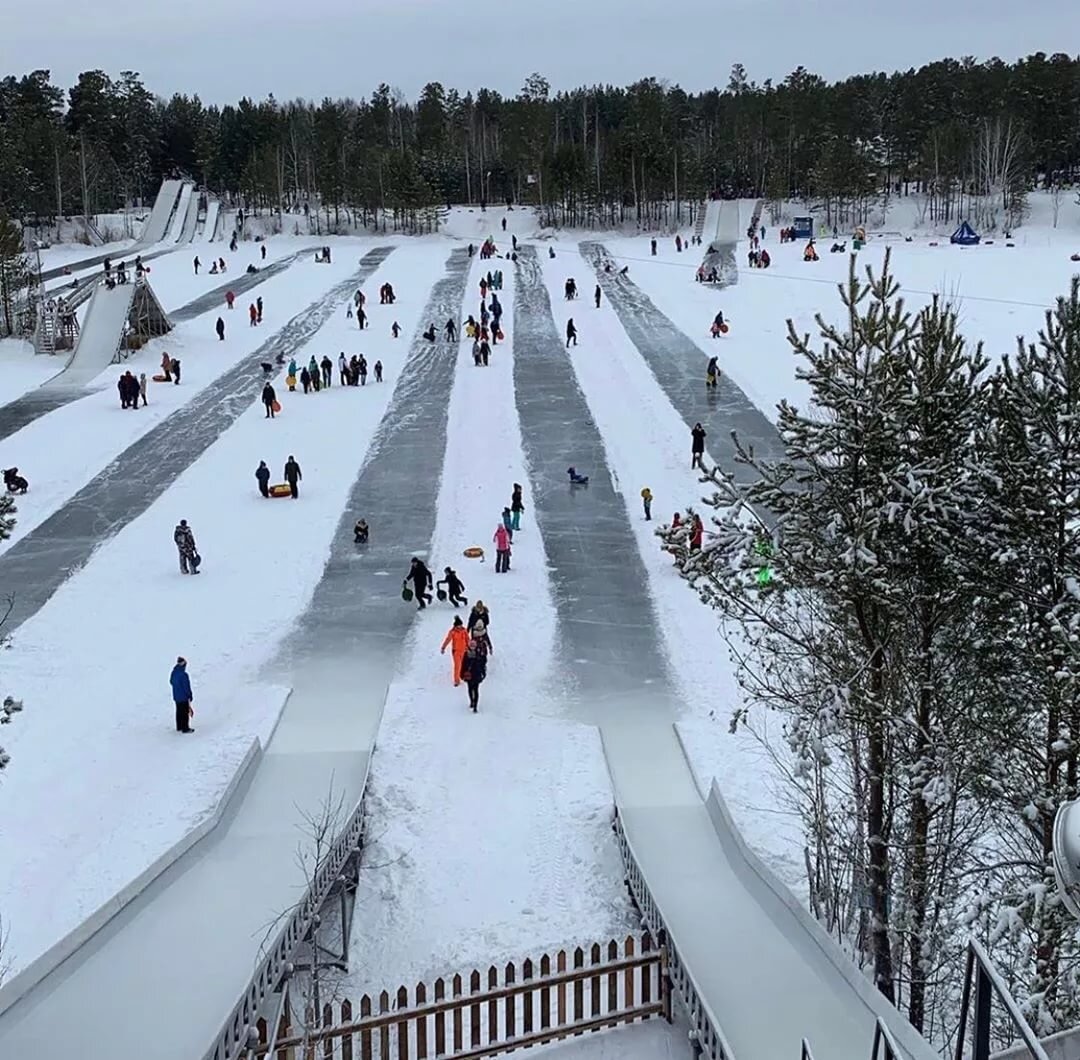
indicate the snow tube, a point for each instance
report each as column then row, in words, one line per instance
column 475, row 552
column 276, row 406
column 406, row 593
column 440, row 593
column 282, row 489
column 160, row 379
column 723, row 329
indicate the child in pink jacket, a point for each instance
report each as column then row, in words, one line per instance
column 502, row 549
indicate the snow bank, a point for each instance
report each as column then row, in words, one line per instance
column 490, row 833
column 100, row 785
column 21, row 369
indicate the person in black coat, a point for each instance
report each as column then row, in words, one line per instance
column 571, row 333
column 517, row 506
column 596, row 295
column 220, row 326
column 697, row 445
column 268, row 399
column 473, row 672
column 455, row 588
column 421, row 580
column 293, row 476
column 305, row 380
column 262, row 476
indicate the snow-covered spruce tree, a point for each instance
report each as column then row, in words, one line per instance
column 852, row 634
column 1032, row 535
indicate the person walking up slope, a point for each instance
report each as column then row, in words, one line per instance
column 293, row 475
column 181, row 693
column 473, row 672
column 502, row 549
column 571, row 333
column 697, row 445
column 184, row 540
column 458, row 639
column 262, row 476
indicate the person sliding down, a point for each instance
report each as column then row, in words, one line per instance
column 455, row 589
column 473, row 672
column 458, row 639
column 262, row 476
column 576, row 479
column 360, row 532
column 421, row 579
column 429, row 334
column 14, row 482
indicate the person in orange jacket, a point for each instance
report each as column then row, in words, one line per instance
column 458, row 639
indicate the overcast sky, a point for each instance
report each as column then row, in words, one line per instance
column 223, row 49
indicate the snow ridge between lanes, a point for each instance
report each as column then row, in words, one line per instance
column 492, row 832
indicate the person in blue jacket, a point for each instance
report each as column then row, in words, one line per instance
column 181, row 693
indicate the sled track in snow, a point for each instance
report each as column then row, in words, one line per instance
column 607, row 625
column 679, row 367
column 36, row 566
column 357, row 604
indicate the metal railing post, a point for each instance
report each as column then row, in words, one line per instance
column 983, row 997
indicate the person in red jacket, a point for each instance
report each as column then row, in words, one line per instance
column 502, row 549
column 253, row 314
column 696, row 531
column 229, row 298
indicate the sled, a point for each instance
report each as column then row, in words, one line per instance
column 406, row 593
column 440, row 593
column 276, row 406
column 475, row 552
column 723, row 329
column 500, row 335
column 581, row 480
column 290, row 381
column 282, row 489
column 160, row 379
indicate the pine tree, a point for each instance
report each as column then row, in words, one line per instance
column 1032, row 537
column 15, row 274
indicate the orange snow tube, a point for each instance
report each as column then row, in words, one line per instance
column 473, row 553
column 281, row 490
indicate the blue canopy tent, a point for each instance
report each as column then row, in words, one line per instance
column 803, row 227
column 965, row 236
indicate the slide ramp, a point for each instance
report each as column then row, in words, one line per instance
column 158, row 222
column 760, row 965
column 210, row 225
column 100, row 336
column 180, row 216
column 191, row 220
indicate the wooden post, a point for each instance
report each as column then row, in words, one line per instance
column 384, row 1030
column 579, row 986
column 327, row 1023
column 646, row 971
column 612, row 980
column 628, row 978
column 403, row 1025
column 545, row 994
column 440, row 1019
column 421, row 1023
column 560, row 990
column 510, row 1008
column 365, row 1035
column 527, row 1000
column 595, row 959
column 347, row 1040
column 665, row 979
column 493, row 1007
column 459, row 1014
column 474, row 1012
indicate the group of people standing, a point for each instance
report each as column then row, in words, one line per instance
column 132, row 390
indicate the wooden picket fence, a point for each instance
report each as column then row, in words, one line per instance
column 543, row 1002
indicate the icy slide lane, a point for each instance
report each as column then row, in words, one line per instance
column 38, row 564
column 679, row 366
column 760, row 967
column 196, row 925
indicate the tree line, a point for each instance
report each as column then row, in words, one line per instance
column 902, row 586
column 968, row 137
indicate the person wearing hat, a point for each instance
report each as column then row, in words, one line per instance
column 421, row 580
column 479, row 633
column 458, row 639
column 479, row 613
column 181, row 693
column 455, row 588
column 473, row 671
column 185, row 545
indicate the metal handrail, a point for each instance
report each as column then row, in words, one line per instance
column 806, row 1054
column 884, row 1036
column 987, row 983
column 706, row 1035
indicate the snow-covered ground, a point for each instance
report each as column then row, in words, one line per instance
column 492, row 833
column 99, row 785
